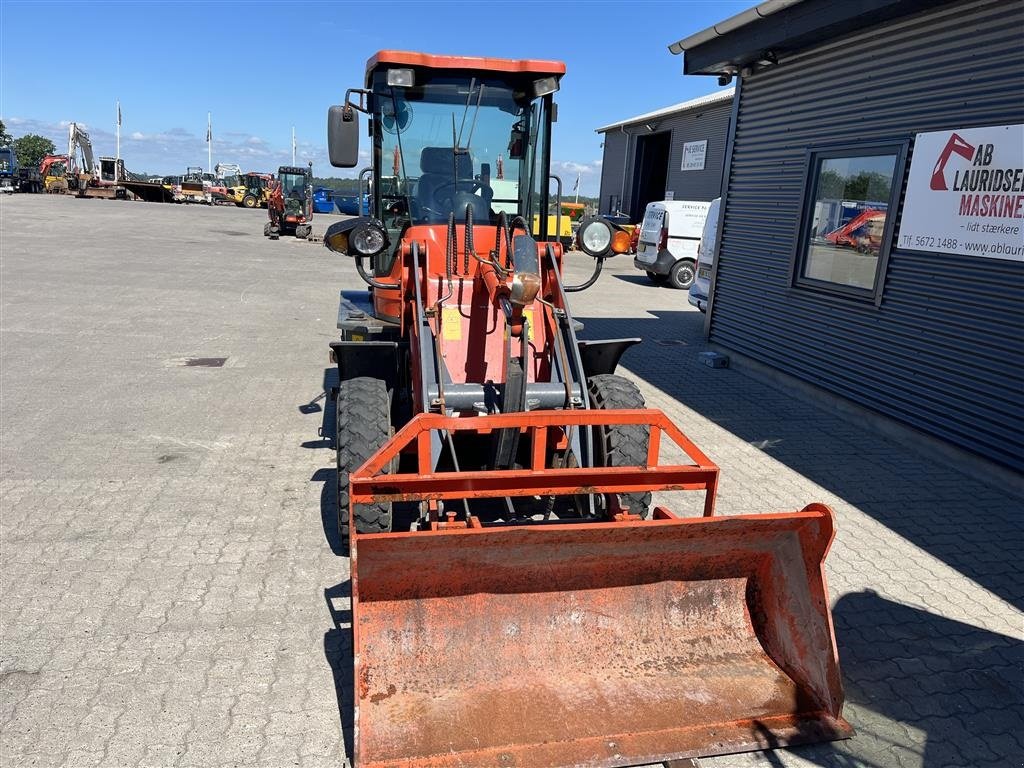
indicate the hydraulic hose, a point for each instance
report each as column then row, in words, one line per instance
column 470, row 245
column 368, row 279
column 590, row 282
column 450, row 253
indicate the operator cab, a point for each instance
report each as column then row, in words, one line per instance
column 294, row 185
column 451, row 133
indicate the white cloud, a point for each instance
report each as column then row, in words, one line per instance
column 589, row 175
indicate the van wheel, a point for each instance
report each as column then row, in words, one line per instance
column 657, row 279
column 682, row 274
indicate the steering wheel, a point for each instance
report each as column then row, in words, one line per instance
column 444, row 193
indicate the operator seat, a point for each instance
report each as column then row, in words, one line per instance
column 438, row 173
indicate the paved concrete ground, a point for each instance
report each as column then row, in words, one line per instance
column 170, row 586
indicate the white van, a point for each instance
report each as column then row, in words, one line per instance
column 669, row 236
column 701, row 288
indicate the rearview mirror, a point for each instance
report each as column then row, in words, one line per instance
column 343, row 136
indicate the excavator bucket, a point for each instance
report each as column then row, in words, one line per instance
column 587, row 644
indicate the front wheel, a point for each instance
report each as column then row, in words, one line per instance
column 682, row 274
column 363, row 426
column 249, row 201
column 620, row 445
column 302, row 231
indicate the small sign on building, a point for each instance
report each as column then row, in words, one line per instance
column 694, row 153
column 965, row 193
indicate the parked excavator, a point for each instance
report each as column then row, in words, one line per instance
column 518, row 597
column 53, row 170
column 290, row 203
column 83, row 175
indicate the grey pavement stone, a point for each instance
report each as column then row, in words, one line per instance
column 167, row 573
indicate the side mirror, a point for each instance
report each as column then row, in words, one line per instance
column 343, row 136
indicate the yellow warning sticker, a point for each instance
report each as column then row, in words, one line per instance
column 451, row 324
column 356, row 337
column 528, row 316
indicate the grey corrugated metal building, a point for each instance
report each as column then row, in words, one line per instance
column 644, row 155
column 886, row 110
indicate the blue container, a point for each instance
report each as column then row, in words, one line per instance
column 323, row 200
column 349, row 204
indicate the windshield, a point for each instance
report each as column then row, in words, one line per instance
column 452, row 142
column 293, row 185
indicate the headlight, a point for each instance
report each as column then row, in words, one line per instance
column 595, row 236
column 357, row 237
column 367, row 239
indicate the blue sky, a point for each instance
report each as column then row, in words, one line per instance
column 263, row 67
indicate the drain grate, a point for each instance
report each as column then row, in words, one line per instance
column 205, row 362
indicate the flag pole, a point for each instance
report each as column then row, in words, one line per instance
column 577, row 187
column 209, row 142
column 293, row 145
column 117, row 163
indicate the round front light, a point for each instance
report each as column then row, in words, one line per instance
column 367, row 240
column 595, row 237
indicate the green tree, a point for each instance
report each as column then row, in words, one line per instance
column 31, row 148
column 5, row 137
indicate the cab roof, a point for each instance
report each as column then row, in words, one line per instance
column 476, row 63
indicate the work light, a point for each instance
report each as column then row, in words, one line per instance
column 367, row 239
column 595, row 236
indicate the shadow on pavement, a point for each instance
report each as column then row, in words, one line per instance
column 963, row 522
column 338, row 651
column 643, row 280
column 328, row 476
column 931, row 674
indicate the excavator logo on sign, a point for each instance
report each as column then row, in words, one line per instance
column 955, row 145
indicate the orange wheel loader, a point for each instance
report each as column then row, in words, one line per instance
column 517, row 597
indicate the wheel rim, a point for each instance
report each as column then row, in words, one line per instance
column 683, row 276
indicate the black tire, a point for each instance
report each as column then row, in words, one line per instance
column 620, row 445
column 266, row 229
column 364, row 425
column 302, row 231
column 682, row 274
column 657, row 279
column 249, row 201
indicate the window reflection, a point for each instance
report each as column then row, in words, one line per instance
column 847, row 219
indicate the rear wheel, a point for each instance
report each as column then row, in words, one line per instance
column 364, row 425
column 682, row 274
column 249, row 201
column 657, row 279
column 302, row 231
column 620, row 445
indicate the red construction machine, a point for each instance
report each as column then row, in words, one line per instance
column 863, row 232
column 517, row 599
column 290, row 203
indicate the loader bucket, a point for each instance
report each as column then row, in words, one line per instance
column 609, row 644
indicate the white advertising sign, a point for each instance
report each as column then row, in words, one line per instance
column 694, row 153
column 965, row 193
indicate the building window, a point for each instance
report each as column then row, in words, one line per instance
column 847, row 224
